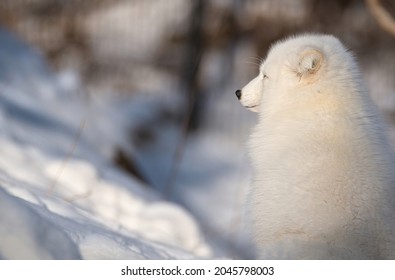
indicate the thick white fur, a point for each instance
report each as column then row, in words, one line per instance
column 324, row 183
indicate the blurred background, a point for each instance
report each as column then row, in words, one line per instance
column 173, row 68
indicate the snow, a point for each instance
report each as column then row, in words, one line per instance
column 54, row 205
column 25, row 235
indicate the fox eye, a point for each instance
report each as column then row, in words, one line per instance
column 265, row 76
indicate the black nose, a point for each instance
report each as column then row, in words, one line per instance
column 238, row 94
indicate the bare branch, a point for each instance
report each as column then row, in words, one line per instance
column 383, row 18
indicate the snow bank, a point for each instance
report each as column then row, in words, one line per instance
column 25, row 235
column 84, row 207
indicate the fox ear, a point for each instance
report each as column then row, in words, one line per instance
column 310, row 62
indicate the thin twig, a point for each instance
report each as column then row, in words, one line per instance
column 196, row 48
column 382, row 16
column 68, row 156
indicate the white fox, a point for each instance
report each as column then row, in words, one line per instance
column 324, row 171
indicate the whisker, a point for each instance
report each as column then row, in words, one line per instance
column 256, row 61
column 252, row 63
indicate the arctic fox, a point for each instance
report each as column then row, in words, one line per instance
column 324, row 172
